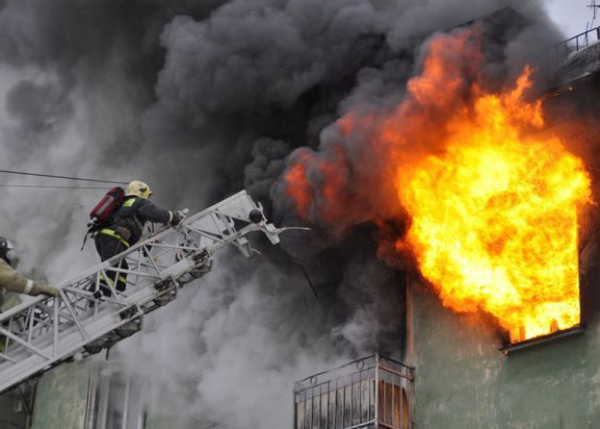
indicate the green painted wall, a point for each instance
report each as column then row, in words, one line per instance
column 463, row 381
column 158, row 422
column 61, row 397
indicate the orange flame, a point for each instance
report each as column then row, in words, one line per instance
column 492, row 205
column 330, row 181
column 494, row 219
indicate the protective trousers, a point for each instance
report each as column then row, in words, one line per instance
column 107, row 247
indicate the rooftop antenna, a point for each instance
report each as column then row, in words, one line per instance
column 594, row 6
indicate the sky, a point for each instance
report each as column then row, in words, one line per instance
column 572, row 15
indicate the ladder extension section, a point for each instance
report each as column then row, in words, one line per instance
column 43, row 332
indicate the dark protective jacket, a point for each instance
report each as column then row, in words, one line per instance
column 133, row 215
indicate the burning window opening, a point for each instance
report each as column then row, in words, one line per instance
column 491, row 198
column 373, row 392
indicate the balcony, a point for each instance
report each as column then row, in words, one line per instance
column 372, row 392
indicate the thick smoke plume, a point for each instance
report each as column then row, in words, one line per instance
column 202, row 99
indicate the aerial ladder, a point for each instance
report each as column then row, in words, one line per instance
column 43, row 332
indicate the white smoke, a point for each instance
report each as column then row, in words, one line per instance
column 229, row 351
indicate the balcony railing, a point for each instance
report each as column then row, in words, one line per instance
column 562, row 50
column 373, row 392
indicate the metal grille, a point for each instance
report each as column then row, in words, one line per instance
column 373, row 392
column 575, row 44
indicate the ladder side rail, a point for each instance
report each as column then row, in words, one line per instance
column 71, row 314
column 63, row 305
column 49, row 335
column 31, row 365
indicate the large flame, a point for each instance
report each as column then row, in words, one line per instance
column 492, row 204
column 494, row 218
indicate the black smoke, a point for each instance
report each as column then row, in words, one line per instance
column 202, row 99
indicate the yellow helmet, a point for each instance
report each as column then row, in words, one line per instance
column 138, row 189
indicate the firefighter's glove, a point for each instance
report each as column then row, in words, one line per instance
column 176, row 219
column 39, row 289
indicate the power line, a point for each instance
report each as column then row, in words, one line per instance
column 10, row 185
column 62, row 177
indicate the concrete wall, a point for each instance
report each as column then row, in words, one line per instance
column 463, row 381
column 80, row 395
column 61, row 397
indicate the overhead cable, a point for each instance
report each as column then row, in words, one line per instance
column 23, row 173
column 10, row 185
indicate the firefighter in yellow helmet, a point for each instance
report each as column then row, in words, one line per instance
column 11, row 280
column 126, row 227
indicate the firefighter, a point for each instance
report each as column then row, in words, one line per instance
column 11, row 280
column 125, row 229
